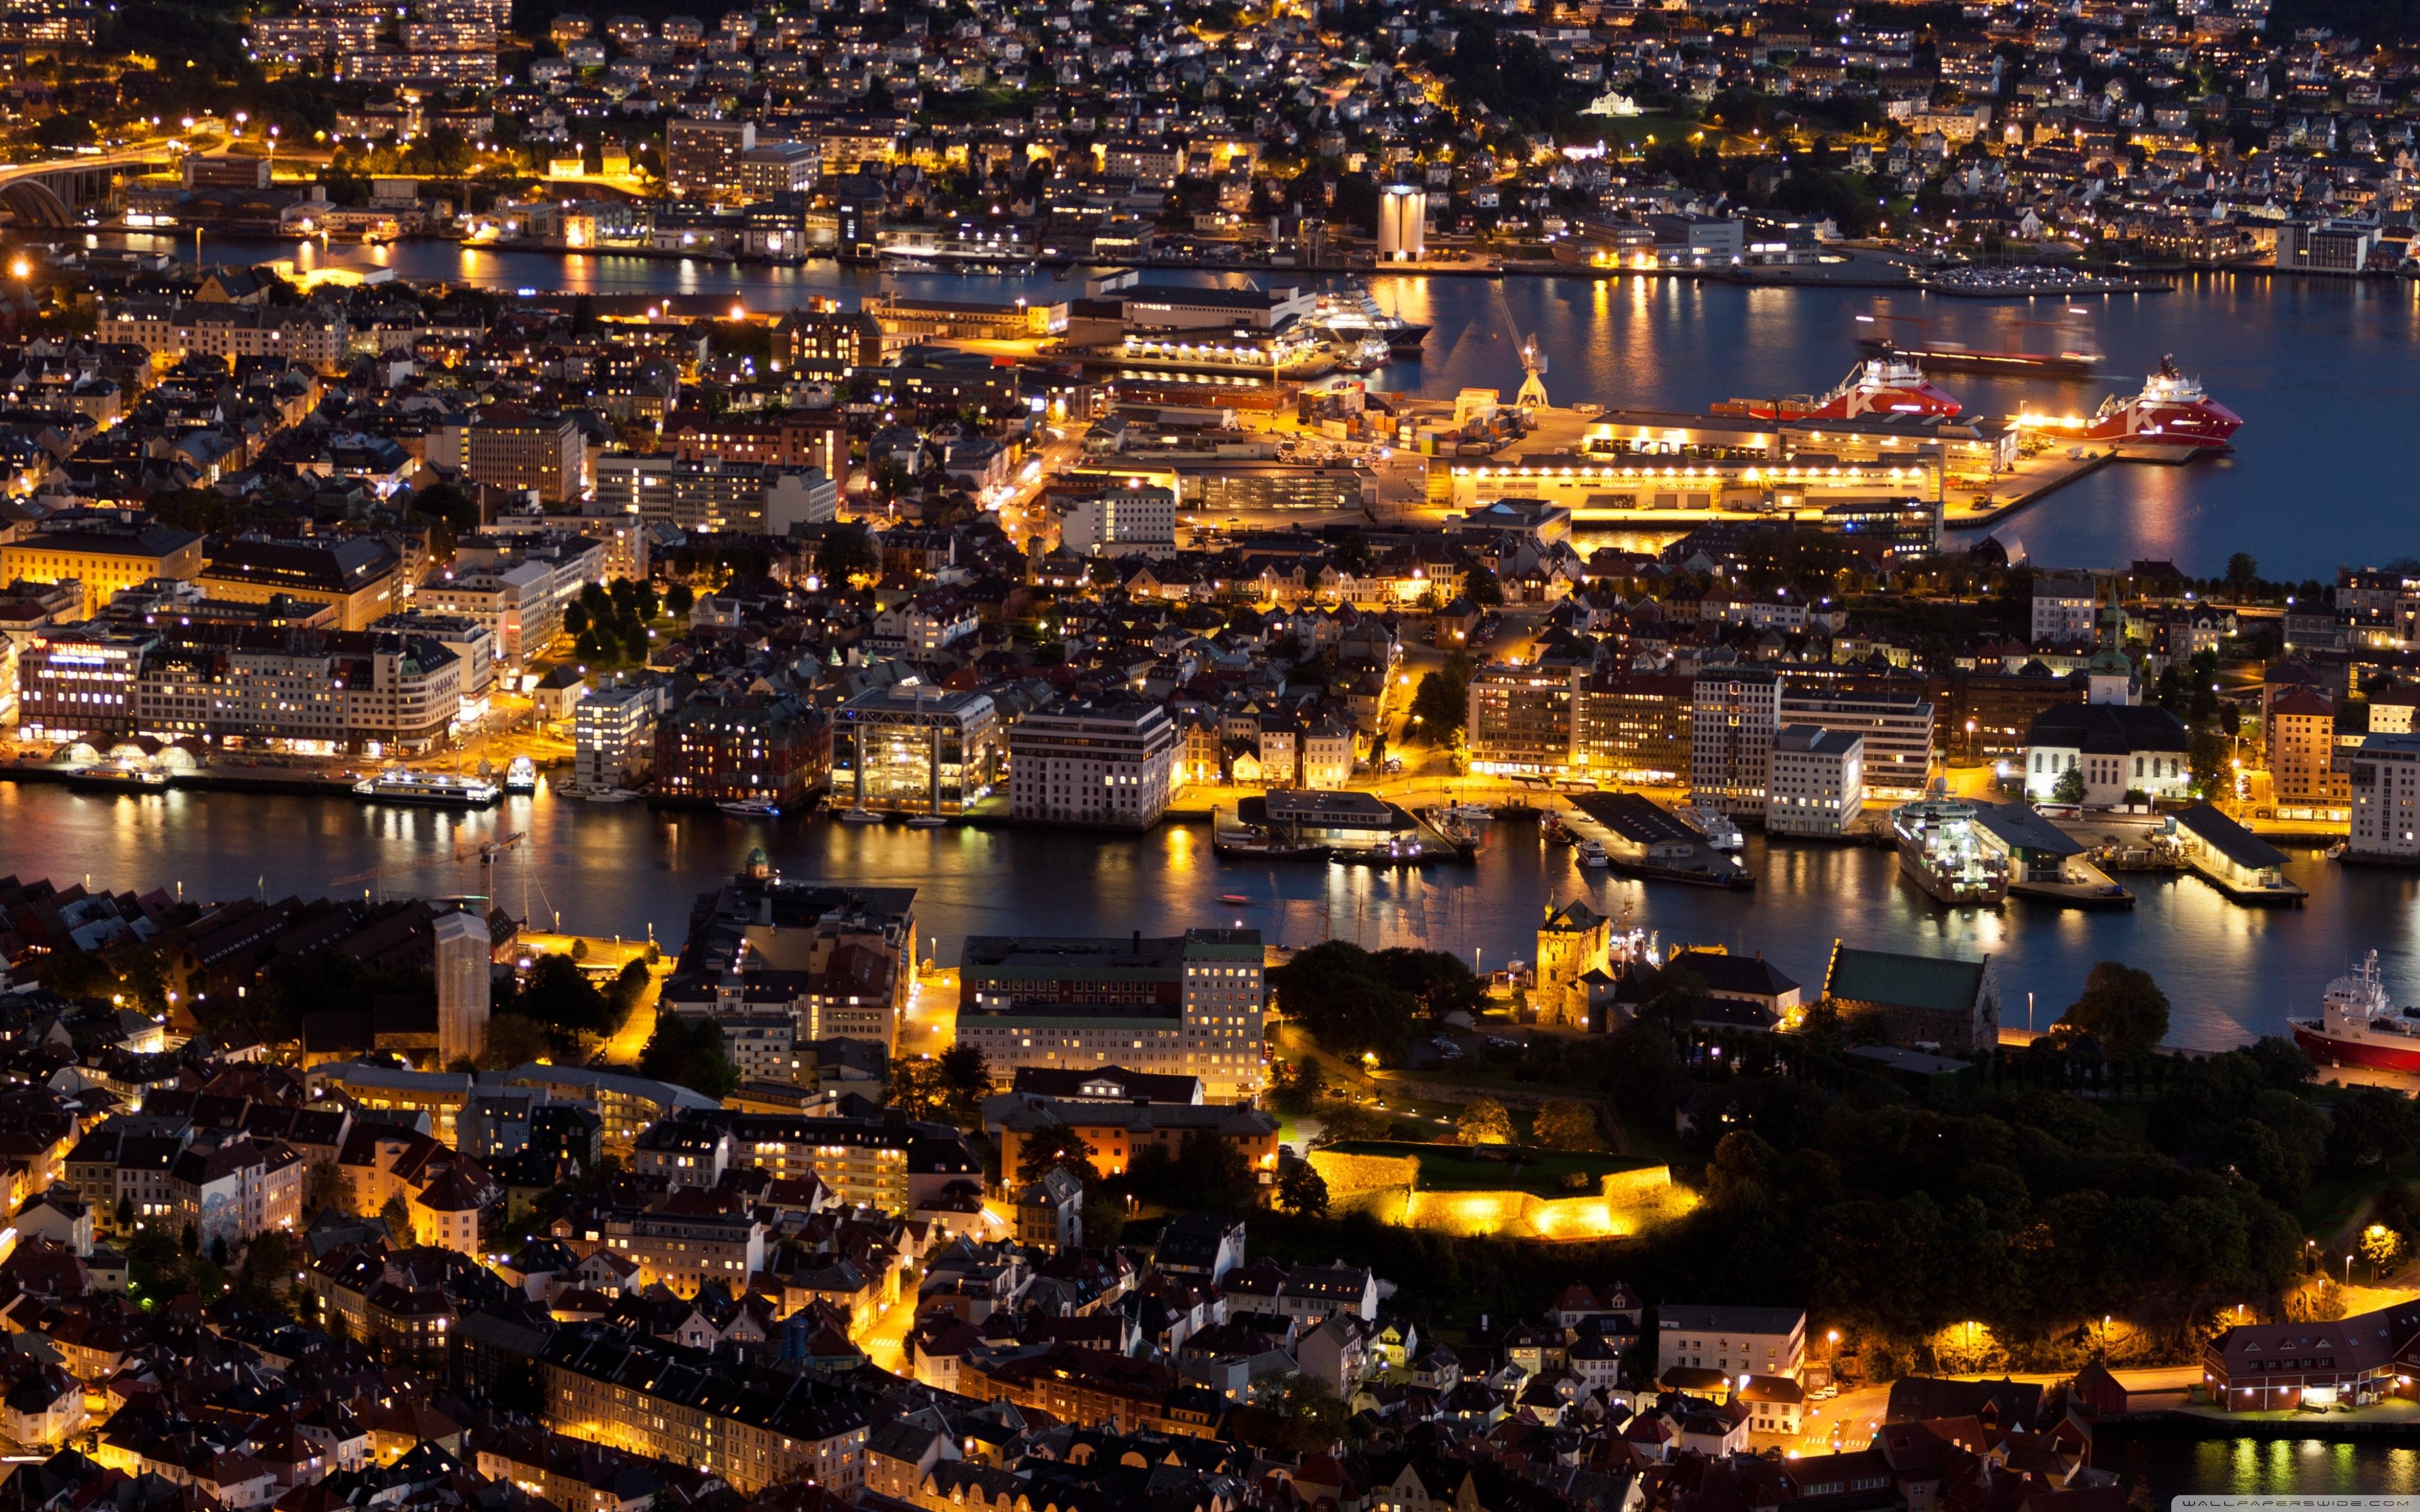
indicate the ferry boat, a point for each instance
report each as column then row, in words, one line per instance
column 2360, row 1026
column 1941, row 849
column 2169, row 418
column 751, row 808
column 1891, row 384
column 1592, row 852
column 1716, row 826
column 1236, row 898
column 521, row 776
column 1949, row 357
column 446, row 790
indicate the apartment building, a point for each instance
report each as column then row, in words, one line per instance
column 237, row 1190
column 720, row 751
column 1518, row 720
column 705, row 159
column 517, row 605
column 1736, row 1341
column 1121, row 522
column 2303, row 772
column 1635, row 727
column 613, row 738
column 2382, row 778
column 174, row 328
column 715, row 496
column 684, row 1251
column 1108, row 761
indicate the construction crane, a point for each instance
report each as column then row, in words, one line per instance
column 486, row 851
column 1533, row 362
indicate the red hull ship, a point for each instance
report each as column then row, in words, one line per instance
column 2360, row 1026
column 1891, row 384
column 2171, row 419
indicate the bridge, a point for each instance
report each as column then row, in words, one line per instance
column 57, row 193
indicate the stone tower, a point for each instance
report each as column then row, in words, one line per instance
column 465, row 953
column 1574, row 941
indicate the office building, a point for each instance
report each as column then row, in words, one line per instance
column 1818, row 781
column 915, row 749
column 105, row 553
column 1734, row 1341
column 1121, row 522
column 360, row 575
column 517, row 449
column 714, row 496
column 1519, row 718
column 518, row 605
column 1735, row 714
column 1190, row 1005
column 1107, row 760
column 1634, row 727
column 1897, row 729
column 613, row 738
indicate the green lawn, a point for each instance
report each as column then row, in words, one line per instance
column 1461, row 1168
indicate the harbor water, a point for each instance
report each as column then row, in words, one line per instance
column 2232, row 972
column 2322, row 370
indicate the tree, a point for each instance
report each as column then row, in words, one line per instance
column 679, row 599
column 1483, row 1122
column 847, row 551
column 689, row 1051
column 965, row 1080
column 2243, row 576
column 1438, row 709
column 1207, row 1172
column 576, row 620
column 2122, row 1008
column 1038, row 1154
column 2368, row 1126
column 1481, row 585
column 269, row 1266
column 1567, row 1125
column 2381, row 1246
column 1297, row 1084
column 1302, row 1191
column 559, row 996
column 514, row 1040
column 398, row 1219
column 2069, row 787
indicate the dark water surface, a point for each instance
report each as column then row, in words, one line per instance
column 2231, row 972
column 2322, row 370
column 2171, row 1464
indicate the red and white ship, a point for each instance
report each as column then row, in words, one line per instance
column 1891, row 384
column 2171, row 419
column 2360, row 1026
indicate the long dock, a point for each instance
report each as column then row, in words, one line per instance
column 2031, row 481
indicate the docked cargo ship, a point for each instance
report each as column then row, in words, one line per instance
column 2169, row 418
column 2360, row 1026
column 1941, row 849
column 1891, row 384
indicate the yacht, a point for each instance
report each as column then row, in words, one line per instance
column 1592, row 852
column 1714, row 824
column 752, row 808
column 521, row 776
column 928, row 820
column 445, row 790
column 859, row 816
column 609, row 795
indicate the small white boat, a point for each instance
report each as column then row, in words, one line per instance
column 609, row 795
column 859, row 816
column 928, row 820
column 1478, row 811
column 1716, row 826
column 1592, row 852
column 751, row 808
column 521, row 776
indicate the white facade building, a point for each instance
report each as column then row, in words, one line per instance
column 1818, row 782
column 465, row 956
column 1403, row 223
column 1121, row 522
column 2386, row 797
column 1107, row 760
column 1898, row 731
column 613, row 738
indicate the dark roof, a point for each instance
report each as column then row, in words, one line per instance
column 2021, row 828
column 1746, row 975
column 1940, row 984
column 2109, row 728
column 2230, row 839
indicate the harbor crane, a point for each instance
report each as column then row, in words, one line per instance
column 485, row 850
column 1533, row 362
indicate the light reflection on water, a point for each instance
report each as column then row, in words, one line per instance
column 2322, row 370
column 621, row 869
column 2171, row 1465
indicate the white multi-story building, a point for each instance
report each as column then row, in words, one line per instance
column 1898, row 731
column 1099, row 761
column 2063, row 608
column 466, row 953
column 1735, row 714
column 925, row 623
column 2385, row 772
column 1191, row 1006
column 613, row 738
column 515, row 604
column 1737, row 1341
column 1121, row 522
column 1818, row 781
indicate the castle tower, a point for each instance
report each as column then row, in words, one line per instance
column 1574, row 941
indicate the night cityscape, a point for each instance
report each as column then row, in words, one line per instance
column 1046, row 756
